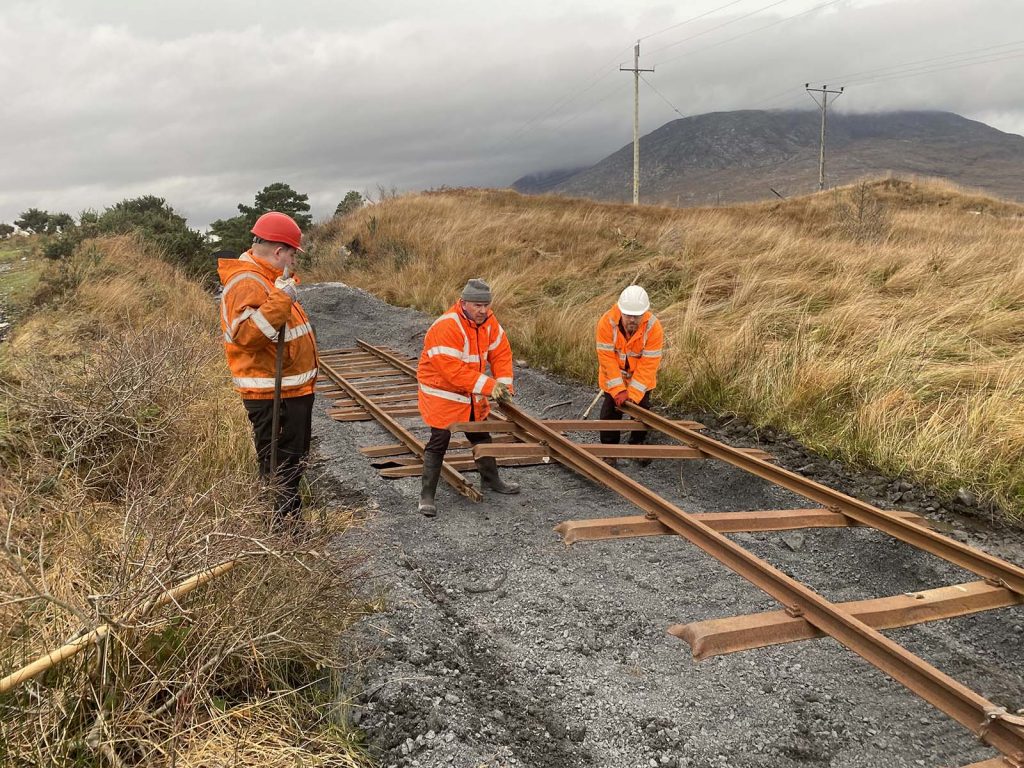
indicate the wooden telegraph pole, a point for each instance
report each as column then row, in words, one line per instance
column 636, row 119
column 823, row 106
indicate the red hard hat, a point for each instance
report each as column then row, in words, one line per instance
column 278, row 228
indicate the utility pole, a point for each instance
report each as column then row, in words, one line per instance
column 636, row 119
column 823, row 106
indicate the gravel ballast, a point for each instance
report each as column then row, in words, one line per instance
column 500, row 646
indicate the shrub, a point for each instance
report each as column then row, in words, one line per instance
column 155, row 220
column 234, row 234
column 33, row 220
column 61, row 247
column 352, row 201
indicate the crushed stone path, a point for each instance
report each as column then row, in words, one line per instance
column 499, row 646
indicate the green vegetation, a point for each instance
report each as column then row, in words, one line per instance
column 33, row 220
column 352, row 201
column 153, row 219
column 39, row 222
column 234, row 234
column 126, row 466
column 20, row 270
column 148, row 217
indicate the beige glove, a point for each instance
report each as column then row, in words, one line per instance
column 501, row 393
column 287, row 284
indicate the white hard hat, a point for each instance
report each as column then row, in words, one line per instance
column 633, row 300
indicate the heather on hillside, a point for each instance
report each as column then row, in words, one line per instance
column 880, row 323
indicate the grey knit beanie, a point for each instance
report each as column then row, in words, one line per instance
column 477, row 290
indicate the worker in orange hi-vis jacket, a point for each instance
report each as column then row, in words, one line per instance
column 454, row 384
column 259, row 299
column 629, row 344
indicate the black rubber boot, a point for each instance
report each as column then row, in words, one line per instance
column 431, row 473
column 489, row 479
column 640, row 438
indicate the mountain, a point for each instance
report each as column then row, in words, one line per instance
column 544, row 181
column 744, row 155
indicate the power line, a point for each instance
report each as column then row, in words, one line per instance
column 917, row 71
column 910, row 68
column 713, row 29
column 572, row 118
column 775, row 97
column 575, row 94
column 906, row 69
column 663, row 96
column 748, row 32
column 931, row 59
column 564, row 101
column 688, row 21
column 897, row 74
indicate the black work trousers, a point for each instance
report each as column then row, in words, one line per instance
column 609, row 411
column 294, row 430
column 439, row 438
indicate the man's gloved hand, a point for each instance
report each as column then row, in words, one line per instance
column 620, row 398
column 501, row 392
column 287, row 284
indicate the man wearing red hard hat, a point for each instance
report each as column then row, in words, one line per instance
column 258, row 301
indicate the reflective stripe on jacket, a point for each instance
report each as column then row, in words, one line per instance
column 629, row 365
column 452, row 368
column 251, row 311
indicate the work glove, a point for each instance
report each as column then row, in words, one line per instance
column 620, row 398
column 501, row 392
column 287, row 284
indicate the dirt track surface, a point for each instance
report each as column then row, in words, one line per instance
column 499, row 646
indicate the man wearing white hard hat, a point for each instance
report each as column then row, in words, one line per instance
column 629, row 342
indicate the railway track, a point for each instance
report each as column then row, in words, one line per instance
column 369, row 382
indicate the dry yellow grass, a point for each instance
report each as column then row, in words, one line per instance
column 126, row 465
column 880, row 323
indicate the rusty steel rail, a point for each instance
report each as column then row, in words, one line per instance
column 992, row 569
column 386, row 356
column 991, row 724
column 451, row 475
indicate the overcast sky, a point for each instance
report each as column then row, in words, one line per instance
column 204, row 102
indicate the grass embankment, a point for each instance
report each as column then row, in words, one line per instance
column 126, row 466
column 880, row 324
column 20, row 269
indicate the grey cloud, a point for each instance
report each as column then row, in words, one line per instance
column 206, row 103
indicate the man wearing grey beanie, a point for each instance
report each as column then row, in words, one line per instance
column 454, row 384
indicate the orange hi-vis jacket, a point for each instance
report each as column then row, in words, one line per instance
column 451, row 372
column 251, row 311
column 628, row 364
